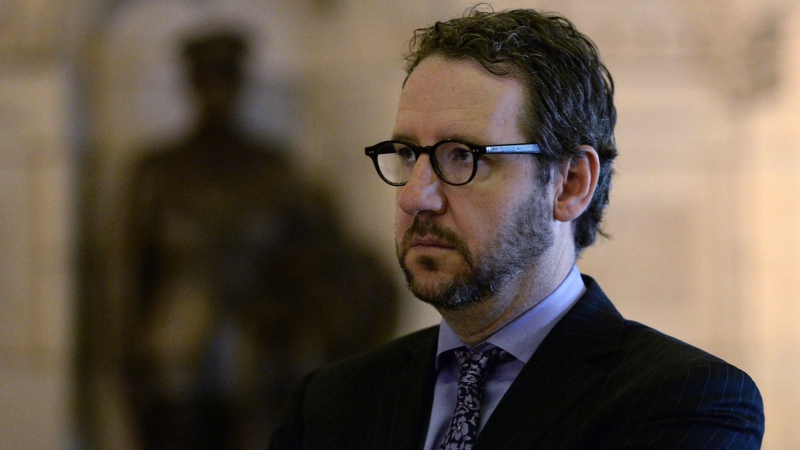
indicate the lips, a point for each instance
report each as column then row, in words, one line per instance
column 428, row 241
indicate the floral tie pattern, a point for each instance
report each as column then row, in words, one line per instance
column 473, row 367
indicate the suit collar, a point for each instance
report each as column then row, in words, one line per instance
column 399, row 412
column 567, row 364
column 522, row 335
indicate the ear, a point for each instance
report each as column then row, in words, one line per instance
column 575, row 184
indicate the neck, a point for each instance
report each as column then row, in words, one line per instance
column 476, row 323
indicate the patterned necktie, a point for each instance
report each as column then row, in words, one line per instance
column 473, row 367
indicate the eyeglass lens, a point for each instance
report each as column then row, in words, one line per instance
column 454, row 160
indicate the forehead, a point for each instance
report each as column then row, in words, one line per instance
column 457, row 98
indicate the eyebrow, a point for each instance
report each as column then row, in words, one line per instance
column 408, row 138
column 402, row 137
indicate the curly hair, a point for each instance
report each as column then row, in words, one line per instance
column 570, row 91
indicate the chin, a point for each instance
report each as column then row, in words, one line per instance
column 447, row 293
column 451, row 298
column 428, row 283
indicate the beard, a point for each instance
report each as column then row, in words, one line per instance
column 517, row 246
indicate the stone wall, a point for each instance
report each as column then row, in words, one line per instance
column 702, row 212
column 38, row 203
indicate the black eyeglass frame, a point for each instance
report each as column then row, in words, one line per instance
column 374, row 151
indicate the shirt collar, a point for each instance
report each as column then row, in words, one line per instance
column 523, row 335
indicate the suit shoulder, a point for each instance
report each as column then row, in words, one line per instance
column 599, row 329
column 652, row 347
column 653, row 361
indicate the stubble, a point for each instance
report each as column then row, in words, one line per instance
column 516, row 247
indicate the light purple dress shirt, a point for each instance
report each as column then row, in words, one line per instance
column 520, row 337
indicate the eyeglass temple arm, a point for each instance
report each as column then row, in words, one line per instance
column 514, row 148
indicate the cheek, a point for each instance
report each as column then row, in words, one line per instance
column 480, row 228
column 485, row 218
column 476, row 221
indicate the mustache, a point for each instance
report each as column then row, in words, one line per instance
column 422, row 227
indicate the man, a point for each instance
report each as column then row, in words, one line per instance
column 502, row 152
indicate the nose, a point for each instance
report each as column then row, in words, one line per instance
column 423, row 191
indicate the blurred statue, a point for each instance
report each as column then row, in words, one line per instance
column 242, row 277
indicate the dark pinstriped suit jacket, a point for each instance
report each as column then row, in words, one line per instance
column 596, row 382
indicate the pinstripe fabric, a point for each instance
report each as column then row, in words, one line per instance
column 596, row 382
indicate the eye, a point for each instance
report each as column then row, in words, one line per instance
column 462, row 155
column 454, row 154
column 405, row 154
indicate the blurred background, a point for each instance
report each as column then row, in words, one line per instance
column 702, row 213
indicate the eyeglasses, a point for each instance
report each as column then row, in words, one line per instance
column 454, row 161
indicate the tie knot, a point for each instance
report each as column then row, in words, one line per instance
column 473, row 364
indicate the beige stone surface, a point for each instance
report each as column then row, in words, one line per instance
column 704, row 209
column 36, row 249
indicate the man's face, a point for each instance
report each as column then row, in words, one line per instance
column 459, row 245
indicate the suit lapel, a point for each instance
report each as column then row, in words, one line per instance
column 398, row 413
column 565, row 366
